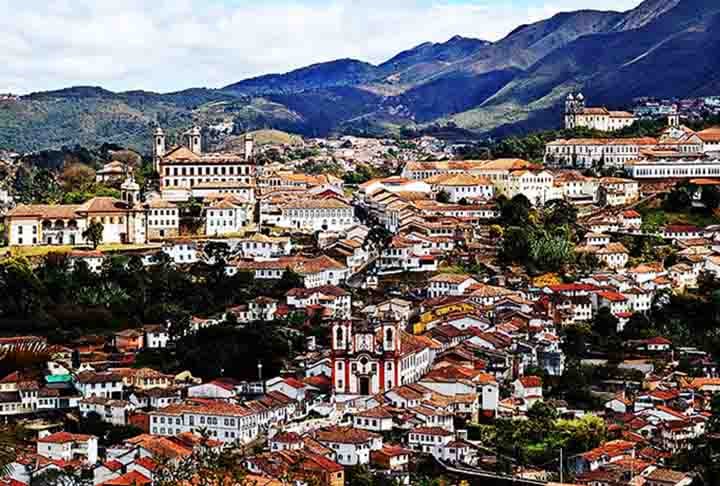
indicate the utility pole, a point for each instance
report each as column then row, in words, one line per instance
column 561, row 466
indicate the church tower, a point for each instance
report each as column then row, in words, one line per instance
column 574, row 106
column 342, row 336
column 390, row 337
column 130, row 191
column 159, row 148
column 249, row 146
column 193, row 140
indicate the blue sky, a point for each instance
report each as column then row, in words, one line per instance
column 168, row 45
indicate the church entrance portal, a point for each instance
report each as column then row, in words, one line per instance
column 364, row 386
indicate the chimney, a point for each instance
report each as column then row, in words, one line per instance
column 461, row 434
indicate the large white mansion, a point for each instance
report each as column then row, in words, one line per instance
column 186, row 171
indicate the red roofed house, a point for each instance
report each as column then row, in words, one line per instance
column 218, row 388
column 291, row 387
column 658, row 344
column 529, row 390
column 223, row 421
column 391, row 458
column 352, row 446
column 283, row 441
column 63, row 446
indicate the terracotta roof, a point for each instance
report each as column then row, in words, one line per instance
column 113, row 465
column 317, row 204
column 63, row 437
column 431, row 431
column 376, row 412
column 530, row 381
column 287, row 437
column 133, row 478
column 97, row 377
column 710, row 135
column 451, row 278
column 666, row 475
column 65, row 211
column 345, row 435
column 207, row 407
column 459, row 180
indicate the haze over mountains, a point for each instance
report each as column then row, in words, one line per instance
column 660, row 48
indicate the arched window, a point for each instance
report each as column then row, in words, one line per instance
column 339, row 338
column 389, row 336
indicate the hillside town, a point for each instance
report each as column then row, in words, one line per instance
column 369, row 311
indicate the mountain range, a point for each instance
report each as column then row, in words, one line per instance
column 662, row 48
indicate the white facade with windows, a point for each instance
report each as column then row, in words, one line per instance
column 222, row 421
column 317, row 215
column 673, row 169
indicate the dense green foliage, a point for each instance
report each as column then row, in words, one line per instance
column 540, row 239
column 538, row 440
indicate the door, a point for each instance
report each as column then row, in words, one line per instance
column 364, row 386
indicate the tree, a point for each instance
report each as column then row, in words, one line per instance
column 559, row 212
column 496, row 231
column 637, row 327
column 443, row 197
column 516, row 211
column 290, row 280
column 516, row 245
column 94, row 233
column 20, row 286
column 710, row 197
column 605, row 323
column 77, row 177
column 679, row 198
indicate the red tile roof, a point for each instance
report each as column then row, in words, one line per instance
column 133, row 478
column 345, row 435
column 530, row 381
column 63, row 437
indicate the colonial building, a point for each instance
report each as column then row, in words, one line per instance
column 537, row 186
column 683, row 168
column 497, row 170
column 589, row 152
column 578, row 115
column 221, row 420
column 163, row 219
column 227, row 215
column 186, row 167
column 124, row 221
column 463, row 187
column 317, row 215
column 368, row 359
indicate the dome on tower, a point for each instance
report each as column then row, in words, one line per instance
column 570, row 97
column 159, row 131
column 130, row 185
column 580, row 97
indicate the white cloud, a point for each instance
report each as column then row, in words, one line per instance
column 176, row 44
